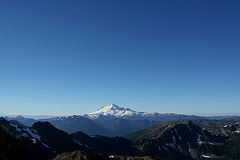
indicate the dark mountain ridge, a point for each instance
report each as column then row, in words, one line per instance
column 42, row 139
column 172, row 140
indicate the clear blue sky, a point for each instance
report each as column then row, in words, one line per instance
column 62, row 57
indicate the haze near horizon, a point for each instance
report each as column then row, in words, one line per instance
column 66, row 58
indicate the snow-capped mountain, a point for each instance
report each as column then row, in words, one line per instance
column 114, row 111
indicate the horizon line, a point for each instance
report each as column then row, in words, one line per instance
column 62, row 115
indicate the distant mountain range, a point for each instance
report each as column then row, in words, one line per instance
column 110, row 120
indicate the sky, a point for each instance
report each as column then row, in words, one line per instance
column 61, row 57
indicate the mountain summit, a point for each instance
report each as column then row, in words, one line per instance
column 113, row 110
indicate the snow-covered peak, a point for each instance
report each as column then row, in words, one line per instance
column 111, row 106
column 112, row 110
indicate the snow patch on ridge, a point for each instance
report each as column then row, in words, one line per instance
column 16, row 126
column 35, row 136
column 166, row 148
column 189, row 147
column 205, row 156
column 78, row 142
column 199, row 138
